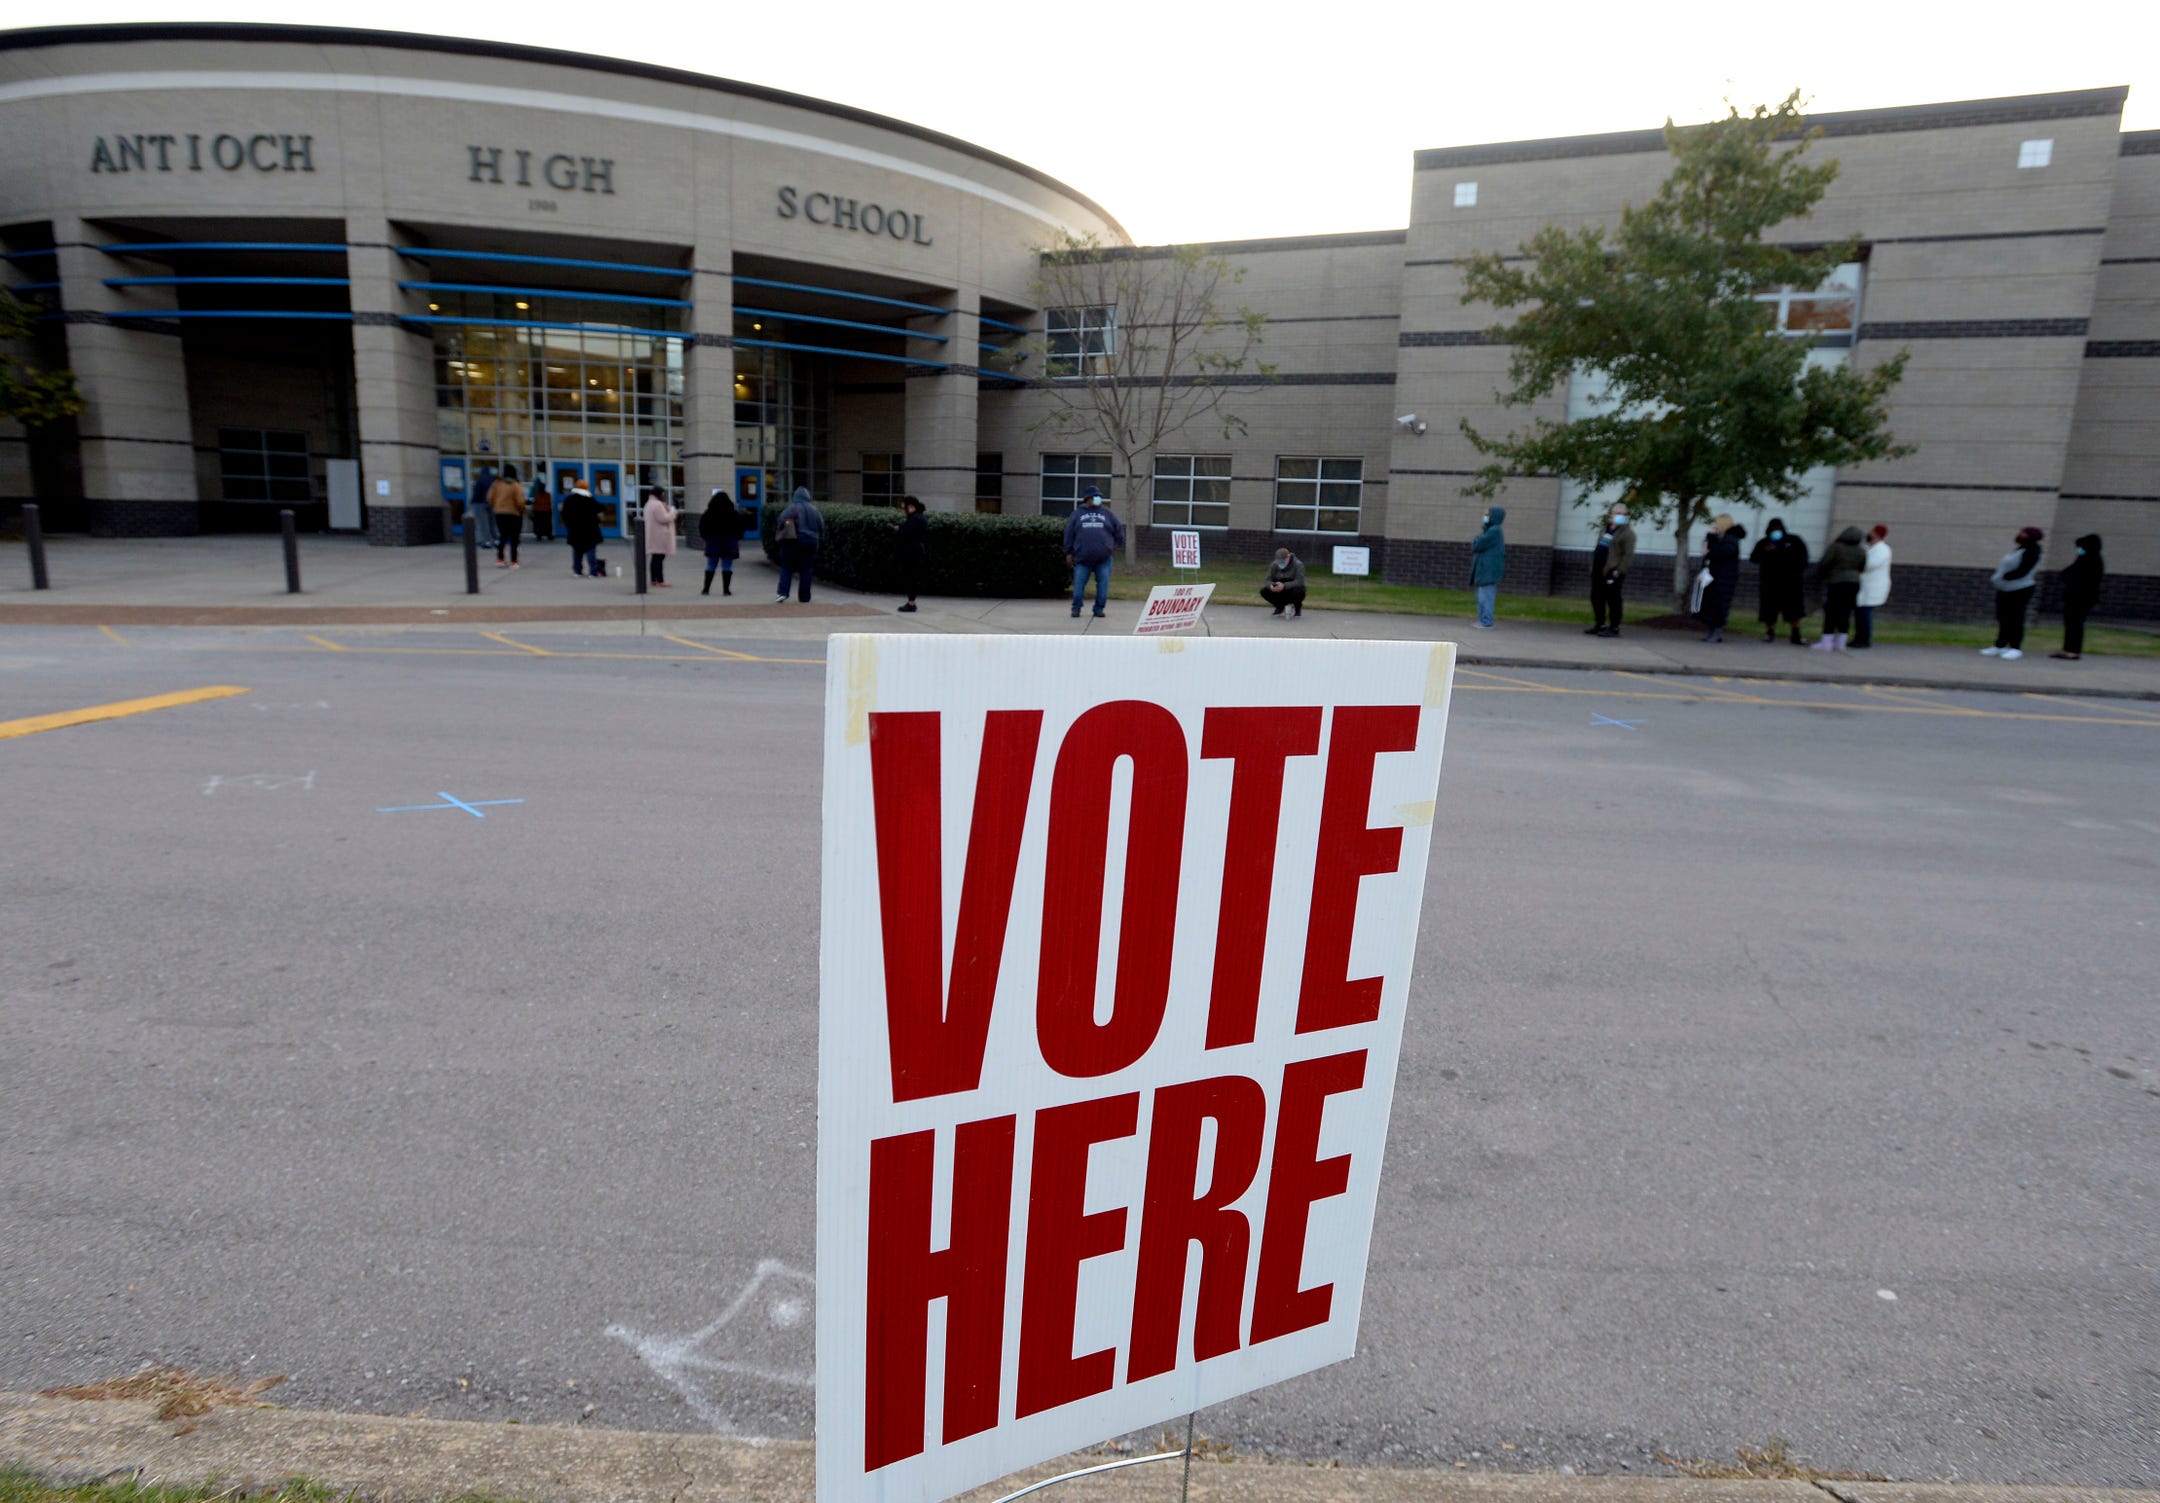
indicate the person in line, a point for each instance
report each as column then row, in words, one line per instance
column 720, row 528
column 1609, row 565
column 799, row 531
column 479, row 515
column 540, row 506
column 2081, row 592
column 1842, row 564
column 506, row 499
column 1488, row 564
column 911, row 547
column 659, row 536
column 1874, row 587
column 1782, row 559
column 1285, row 583
column 1093, row 535
column 2015, row 579
column 581, row 529
column 1721, row 564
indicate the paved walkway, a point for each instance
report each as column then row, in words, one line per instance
column 239, row 581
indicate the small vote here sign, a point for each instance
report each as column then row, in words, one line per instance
column 1116, row 948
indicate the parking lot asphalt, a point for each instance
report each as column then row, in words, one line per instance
column 435, row 1021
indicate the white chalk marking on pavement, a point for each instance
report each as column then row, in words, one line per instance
column 1888, row 1294
column 677, row 1361
column 265, row 782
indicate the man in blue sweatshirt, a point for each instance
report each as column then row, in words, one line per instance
column 1093, row 536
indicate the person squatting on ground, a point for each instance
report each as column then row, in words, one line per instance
column 720, row 528
column 911, row 547
column 1285, row 583
column 1721, row 573
column 1093, row 535
column 540, row 506
column 659, row 535
column 1842, row 564
column 581, row 529
column 1610, row 561
column 1874, row 587
column 2081, row 592
column 2015, row 579
column 799, row 531
column 1488, row 564
column 506, row 499
column 1782, row 559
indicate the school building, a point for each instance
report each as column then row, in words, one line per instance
column 355, row 273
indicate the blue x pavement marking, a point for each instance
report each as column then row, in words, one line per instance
column 1595, row 719
column 473, row 808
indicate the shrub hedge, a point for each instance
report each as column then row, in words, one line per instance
column 970, row 553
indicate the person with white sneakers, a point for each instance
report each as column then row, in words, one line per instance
column 2015, row 579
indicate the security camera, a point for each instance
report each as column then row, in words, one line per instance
column 1412, row 422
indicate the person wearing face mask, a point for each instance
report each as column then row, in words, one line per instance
column 1488, row 564
column 2016, row 580
column 1610, row 561
column 1285, row 583
column 1721, row 566
column 1782, row 559
column 1874, row 587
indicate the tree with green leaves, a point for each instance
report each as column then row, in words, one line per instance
column 1709, row 405
column 29, row 394
column 1139, row 344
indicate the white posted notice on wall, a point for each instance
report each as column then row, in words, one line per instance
column 1116, row 949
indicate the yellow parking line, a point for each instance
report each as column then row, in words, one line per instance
column 123, row 641
column 538, row 652
column 2105, row 706
column 325, row 642
column 1897, row 694
column 1723, row 695
column 36, row 723
column 725, row 652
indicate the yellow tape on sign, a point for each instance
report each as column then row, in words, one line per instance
column 66, row 718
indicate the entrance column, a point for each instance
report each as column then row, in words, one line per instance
column 138, row 442
column 708, row 436
column 394, row 396
column 941, row 438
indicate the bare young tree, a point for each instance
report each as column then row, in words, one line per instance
column 1138, row 344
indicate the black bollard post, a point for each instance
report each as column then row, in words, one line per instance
column 472, row 556
column 292, row 551
column 34, row 535
column 639, row 528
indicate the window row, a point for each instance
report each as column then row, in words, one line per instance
column 1313, row 493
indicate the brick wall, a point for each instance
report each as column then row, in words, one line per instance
column 406, row 526
column 143, row 519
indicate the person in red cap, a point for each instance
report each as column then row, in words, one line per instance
column 2015, row 579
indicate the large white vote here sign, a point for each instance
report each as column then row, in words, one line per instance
column 1117, row 938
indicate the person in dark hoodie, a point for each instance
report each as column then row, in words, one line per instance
column 1843, row 562
column 1781, row 558
column 1721, row 561
column 911, row 547
column 1093, row 535
column 2015, row 579
column 1488, row 564
column 1285, row 583
column 581, row 527
column 720, row 529
column 799, row 531
column 2081, row 591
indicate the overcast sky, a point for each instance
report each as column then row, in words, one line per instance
column 1225, row 120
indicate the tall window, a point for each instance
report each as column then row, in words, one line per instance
column 1830, row 314
column 1081, row 340
column 990, row 482
column 884, row 479
column 258, row 464
column 1192, row 490
column 1319, row 495
column 1065, row 476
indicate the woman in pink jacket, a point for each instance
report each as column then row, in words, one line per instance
column 659, row 535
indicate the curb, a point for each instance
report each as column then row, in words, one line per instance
column 417, row 1460
column 1775, row 676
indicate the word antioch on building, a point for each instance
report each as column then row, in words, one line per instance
column 361, row 274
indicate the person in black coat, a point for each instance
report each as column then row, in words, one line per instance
column 1782, row 558
column 1721, row 561
column 720, row 528
column 911, row 546
column 2081, row 592
column 580, row 516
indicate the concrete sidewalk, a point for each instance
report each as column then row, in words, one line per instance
column 392, row 1460
column 239, row 581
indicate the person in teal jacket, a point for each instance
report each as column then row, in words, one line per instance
column 1488, row 563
